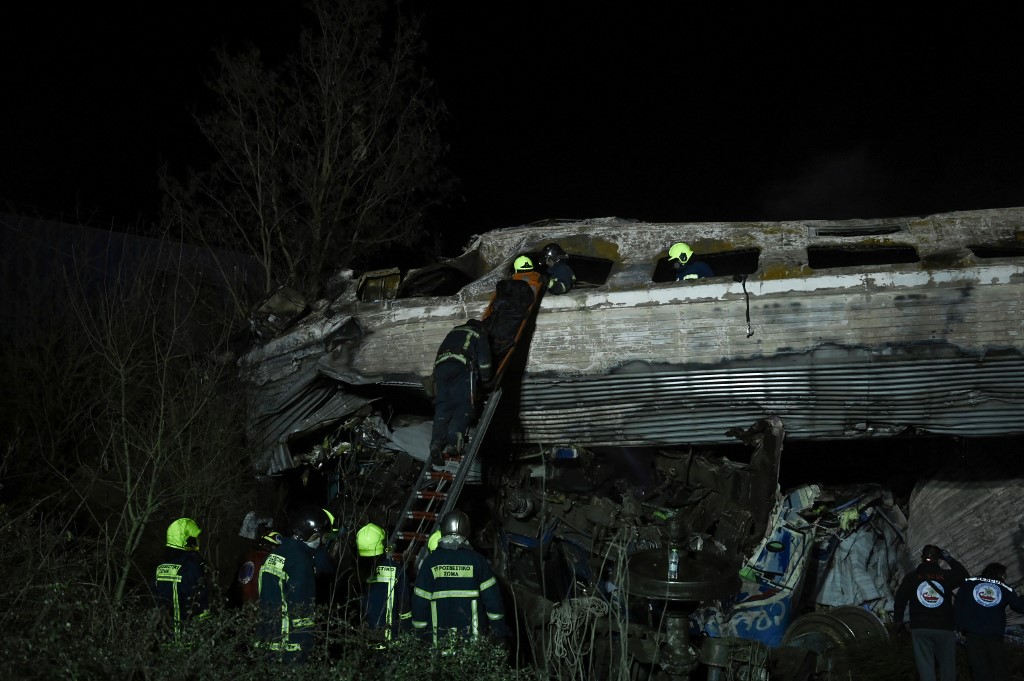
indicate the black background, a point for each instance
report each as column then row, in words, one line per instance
column 559, row 110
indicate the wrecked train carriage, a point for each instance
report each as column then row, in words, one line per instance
column 848, row 329
column 855, row 329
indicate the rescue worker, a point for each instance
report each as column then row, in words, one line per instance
column 462, row 370
column 325, row 560
column 680, row 255
column 561, row 278
column 387, row 598
column 524, row 271
column 980, row 615
column 246, row 581
column 180, row 586
column 929, row 591
column 456, row 593
column 287, row 584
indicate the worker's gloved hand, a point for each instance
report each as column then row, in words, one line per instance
column 945, row 555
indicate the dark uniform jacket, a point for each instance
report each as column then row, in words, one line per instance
column 981, row 606
column 468, row 345
column 694, row 269
column 456, row 591
column 561, row 278
column 387, row 603
column 287, row 597
column 929, row 591
column 180, row 586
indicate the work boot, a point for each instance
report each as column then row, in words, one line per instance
column 436, row 457
column 450, row 451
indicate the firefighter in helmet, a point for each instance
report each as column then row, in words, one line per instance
column 246, row 581
column 180, row 582
column 387, row 597
column 456, row 594
column 522, row 264
column 287, row 586
column 561, row 278
column 462, row 370
column 680, row 255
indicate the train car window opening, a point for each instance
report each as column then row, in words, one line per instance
column 823, row 257
column 723, row 264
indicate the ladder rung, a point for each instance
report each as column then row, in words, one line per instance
column 412, row 536
column 421, row 515
column 431, row 495
column 441, row 475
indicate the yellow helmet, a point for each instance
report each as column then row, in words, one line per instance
column 183, row 534
column 370, row 540
column 433, row 540
column 681, row 252
column 523, row 264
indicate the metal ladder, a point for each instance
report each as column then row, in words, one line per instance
column 436, row 493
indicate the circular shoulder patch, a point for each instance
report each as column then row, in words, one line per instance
column 987, row 595
column 245, row 572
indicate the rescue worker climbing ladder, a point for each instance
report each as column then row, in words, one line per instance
column 436, row 492
column 463, row 362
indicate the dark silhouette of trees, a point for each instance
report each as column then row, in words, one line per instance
column 324, row 159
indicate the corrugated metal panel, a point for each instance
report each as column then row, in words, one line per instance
column 311, row 406
column 962, row 396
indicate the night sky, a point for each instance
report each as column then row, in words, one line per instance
column 789, row 112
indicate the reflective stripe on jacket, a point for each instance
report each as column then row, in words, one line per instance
column 180, row 587
column 456, row 590
column 287, row 584
column 388, row 598
column 465, row 344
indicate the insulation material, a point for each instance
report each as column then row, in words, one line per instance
column 862, row 566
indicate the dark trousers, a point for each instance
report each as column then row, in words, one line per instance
column 987, row 657
column 934, row 647
column 453, row 406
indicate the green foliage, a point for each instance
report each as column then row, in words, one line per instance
column 80, row 636
column 125, row 416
